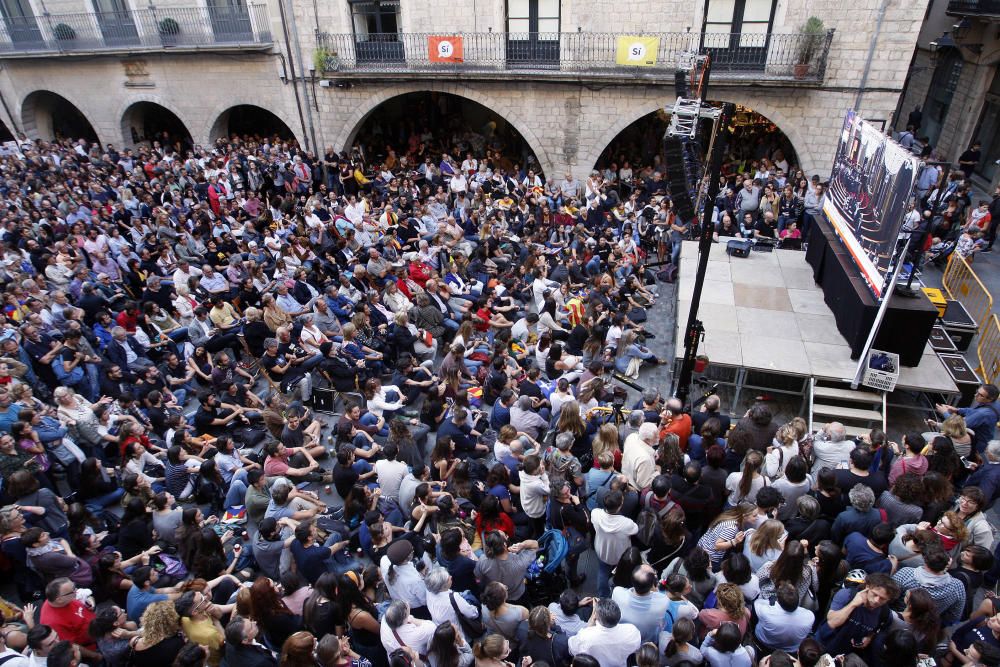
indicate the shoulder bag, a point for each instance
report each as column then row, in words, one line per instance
column 472, row 627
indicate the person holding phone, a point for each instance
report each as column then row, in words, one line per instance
column 856, row 616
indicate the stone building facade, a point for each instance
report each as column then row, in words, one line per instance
column 955, row 80
column 568, row 106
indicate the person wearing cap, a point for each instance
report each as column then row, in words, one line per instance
column 402, row 579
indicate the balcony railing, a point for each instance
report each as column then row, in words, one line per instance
column 974, row 8
column 138, row 30
column 735, row 57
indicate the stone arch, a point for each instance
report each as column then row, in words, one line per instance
column 133, row 112
column 45, row 113
column 351, row 125
column 626, row 116
column 222, row 116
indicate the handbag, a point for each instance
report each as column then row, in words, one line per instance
column 472, row 627
column 808, row 600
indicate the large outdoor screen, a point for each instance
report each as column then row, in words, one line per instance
column 867, row 197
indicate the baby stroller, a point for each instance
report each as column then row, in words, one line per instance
column 545, row 579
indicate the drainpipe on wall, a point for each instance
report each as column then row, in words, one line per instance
column 305, row 85
column 291, row 68
column 871, row 54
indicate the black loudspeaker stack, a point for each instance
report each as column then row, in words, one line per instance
column 673, row 161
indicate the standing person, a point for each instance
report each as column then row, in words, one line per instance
column 781, row 622
column 981, row 416
column 857, row 616
column 611, row 538
column 968, row 160
column 991, row 231
column 640, row 605
column 638, row 457
column 609, row 641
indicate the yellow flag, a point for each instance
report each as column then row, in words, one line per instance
column 636, row 51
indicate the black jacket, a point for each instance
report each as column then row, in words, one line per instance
column 247, row 655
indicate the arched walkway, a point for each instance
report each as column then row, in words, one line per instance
column 249, row 120
column 637, row 136
column 47, row 115
column 499, row 108
column 146, row 122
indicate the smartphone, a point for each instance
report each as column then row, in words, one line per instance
column 966, row 462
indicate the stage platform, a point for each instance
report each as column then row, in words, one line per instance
column 764, row 313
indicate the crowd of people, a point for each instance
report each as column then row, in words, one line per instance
column 262, row 408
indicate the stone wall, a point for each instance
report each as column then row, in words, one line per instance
column 567, row 124
column 197, row 89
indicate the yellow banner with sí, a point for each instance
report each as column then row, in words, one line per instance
column 636, row 51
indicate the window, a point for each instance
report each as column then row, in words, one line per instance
column 532, row 16
column 376, row 31
column 375, row 17
column 20, row 20
column 533, row 33
column 748, row 20
column 942, row 90
column 736, row 33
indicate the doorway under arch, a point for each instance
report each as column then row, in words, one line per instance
column 405, row 122
column 248, row 120
column 755, row 137
column 49, row 116
column 146, row 122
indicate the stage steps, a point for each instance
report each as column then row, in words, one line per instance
column 859, row 410
column 853, row 432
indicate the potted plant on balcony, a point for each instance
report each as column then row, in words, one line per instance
column 169, row 29
column 811, row 41
column 326, row 60
column 64, row 33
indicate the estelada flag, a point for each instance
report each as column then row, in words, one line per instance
column 445, row 49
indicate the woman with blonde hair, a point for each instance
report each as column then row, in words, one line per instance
column 744, row 485
column 731, row 608
column 955, row 428
column 274, row 316
column 492, row 651
column 784, row 446
column 161, row 637
column 727, row 531
column 764, row 544
column 606, row 440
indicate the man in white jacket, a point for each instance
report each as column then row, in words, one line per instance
column 611, row 538
column 638, row 457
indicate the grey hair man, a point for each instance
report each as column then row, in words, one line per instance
column 562, row 465
column 526, row 419
column 860, row 517
column 398, row 628
column 833, row 450
column 442, row 602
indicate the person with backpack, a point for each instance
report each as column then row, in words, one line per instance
column 858, row 615
column 597, row 481
column 562, row 465
column 678, row 606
